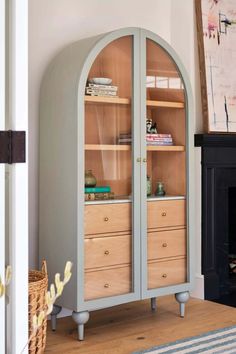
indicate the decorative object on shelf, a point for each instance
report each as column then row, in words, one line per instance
column 216, row 27
column 149, row 186
column 151, row 128
column 89, row 179
column 124, row 139
column 160, row 191
column 159, row 139
column 100, row 80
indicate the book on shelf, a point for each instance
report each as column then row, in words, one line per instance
column 91, row 92
column 99, row 196
column 103, row 87
column 100, row 189
column 160, row 139
column 158, row 135
column 159, row 143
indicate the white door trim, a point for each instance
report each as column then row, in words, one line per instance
column 18, row 177
column 2, row 173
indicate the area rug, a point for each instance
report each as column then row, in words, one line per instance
column 214, row 342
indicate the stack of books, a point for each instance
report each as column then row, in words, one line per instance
column 159, row 139
column 101, row 90
column 98, row 193
column 124, row 139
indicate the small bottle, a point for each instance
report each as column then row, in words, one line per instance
column 160, row 192
column 149, row 186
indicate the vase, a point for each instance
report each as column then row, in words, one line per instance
column 160, row 189
column 89, row 179
column 149, row 186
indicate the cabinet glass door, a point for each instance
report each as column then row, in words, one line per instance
column 166, row 170
column 108, row 186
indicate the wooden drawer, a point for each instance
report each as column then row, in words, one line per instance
column 107, row 251
column 166, row 273
column 109, row 282
column 165, row 244
column 107, row 218
column 166, row 213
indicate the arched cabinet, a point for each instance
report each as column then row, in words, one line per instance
column 115, row 164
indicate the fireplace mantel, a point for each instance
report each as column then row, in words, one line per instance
column 218, row 158
column 215, row 140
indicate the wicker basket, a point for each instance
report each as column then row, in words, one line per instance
column 38, row 283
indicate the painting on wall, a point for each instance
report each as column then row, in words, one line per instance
column 216, row 25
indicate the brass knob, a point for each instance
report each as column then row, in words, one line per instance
column 138, row 159
column 106, row 252
column 144, row 160
column 106, row 218
column 106, row 285
column 164, row 244
column 164, row 275
column 164, row 213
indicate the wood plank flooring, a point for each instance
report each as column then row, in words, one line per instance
column 127, row 328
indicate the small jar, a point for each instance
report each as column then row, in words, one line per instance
column 160, row 192
column 149, row 186
column 89, row 179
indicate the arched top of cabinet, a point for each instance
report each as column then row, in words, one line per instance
column 69, row 69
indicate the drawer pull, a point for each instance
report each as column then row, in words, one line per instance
column 164, row 275
column 106, row 218
column 164, row 244
column 106, row 252
column 164, row 213
column 106, row 285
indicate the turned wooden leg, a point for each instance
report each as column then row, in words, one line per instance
column 153, row 304
column 80, row 318
column 182, row 298
column 56, row 310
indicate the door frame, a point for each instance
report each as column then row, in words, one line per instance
column 17, row 174
column 2, row 174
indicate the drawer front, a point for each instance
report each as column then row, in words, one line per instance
column 166, row 273
column 166, row 213
column 107, row 218
column 107, row 251
column 165, row 244
column 109, row 282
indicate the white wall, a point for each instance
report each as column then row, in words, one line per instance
column 55, row 23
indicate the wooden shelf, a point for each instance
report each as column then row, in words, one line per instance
column 166, row 104
column 99, row 99
column 126, row 101
column 166, row 148
column 107, row 147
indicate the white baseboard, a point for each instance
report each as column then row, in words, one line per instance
column 198, row 291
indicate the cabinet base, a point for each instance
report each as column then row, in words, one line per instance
column 182, row 298
column 80, row 319
column 56, row 310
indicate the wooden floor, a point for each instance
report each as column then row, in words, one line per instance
column 132, row 327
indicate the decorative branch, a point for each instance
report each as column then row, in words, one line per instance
column 3, row 286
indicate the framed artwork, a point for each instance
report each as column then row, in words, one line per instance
column 216, row 26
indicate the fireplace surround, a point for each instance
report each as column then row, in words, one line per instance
column 218, row 158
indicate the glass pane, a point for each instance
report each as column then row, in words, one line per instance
column 108, row 172
column 166, row 169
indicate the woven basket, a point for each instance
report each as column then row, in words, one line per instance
column 38, row 284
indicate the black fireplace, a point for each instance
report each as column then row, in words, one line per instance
column 218, row 216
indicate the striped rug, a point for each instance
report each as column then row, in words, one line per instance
column 214, row 342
